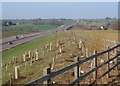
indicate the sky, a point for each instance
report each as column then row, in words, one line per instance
column 74, row 10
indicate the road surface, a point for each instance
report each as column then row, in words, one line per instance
column 4, row 44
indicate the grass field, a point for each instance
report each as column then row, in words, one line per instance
column 36, row 70
column 19, row 50
column 43, row 21
column 28, row 26
column 25, row 29
column 13, row 33
column 108, row 34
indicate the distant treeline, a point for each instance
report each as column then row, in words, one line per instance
column 56, row 22
column 50, row 22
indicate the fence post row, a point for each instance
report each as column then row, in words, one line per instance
column 48, row 74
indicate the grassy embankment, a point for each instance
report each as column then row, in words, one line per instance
column 36, row 69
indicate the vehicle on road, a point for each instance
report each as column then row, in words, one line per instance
column 17, row 37
column 10, row 42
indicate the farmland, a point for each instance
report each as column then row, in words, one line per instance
column 59, row 43
column 61, row 46
column 31, row 26
column 66, row 59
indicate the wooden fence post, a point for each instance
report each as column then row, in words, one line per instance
column 37, row 56
column 10, row 78
column 29, row 54
column 25, row 65
column 15, row 59
column 57, row 45
column 80, row 71
column 95, row 65
column 9, row 63
column 53, row 63
column 86, row 53
column 80, row 44
column 105, row 43
column 50, row 46
column 108, row 57
column 76, row 69
column 116, row 59
column 60, row 50
column 24, row 57
column 46, row 71
column 17, row 72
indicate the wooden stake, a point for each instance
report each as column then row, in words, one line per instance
column 53, row 63
column 80, row 71
column 80, row 44
column 86, row 52
column 92, row 62
column 13, row 59
column 60, row 49
column 36, row 50
column 25, row 65
column 107, row 58
column 50, row 46
column 37, row 56
column 17, row 72
column 95, row 65
column 57, row 45
column 116, row 59
column 10, row 78
column 24, row 58
column 76, row 69
column 9, row 63
column 29, row 54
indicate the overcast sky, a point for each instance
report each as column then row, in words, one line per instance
column 75, row 10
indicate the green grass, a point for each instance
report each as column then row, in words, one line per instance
column 29, row 27
column 36, row 70
column 18, row 51
column 13, row 33
column 41, row 21
column 25, row 29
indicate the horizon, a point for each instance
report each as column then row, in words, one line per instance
column 56, row 10
column 57, row 18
